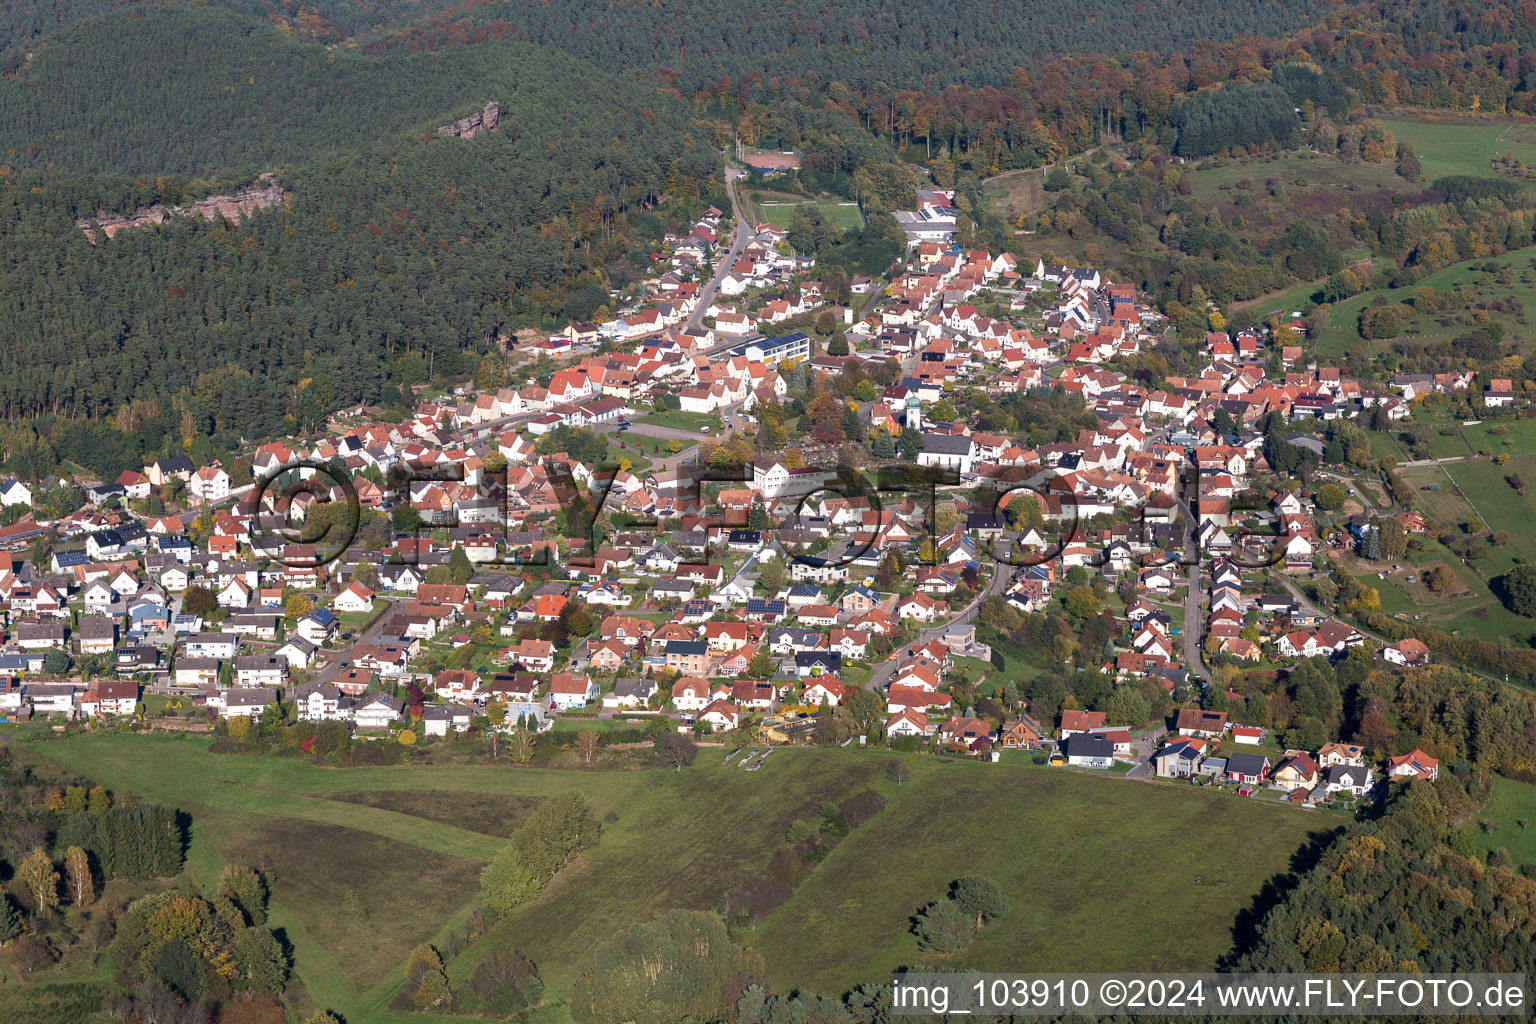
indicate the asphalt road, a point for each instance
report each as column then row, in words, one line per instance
column 882, row 672
column 333, row 667
column 739, row 237
column 1194, row 614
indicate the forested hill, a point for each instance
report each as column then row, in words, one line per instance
column 857, row 42
column 396, row 249
column 847, row 40
column 1407, row 892
column 178, row 89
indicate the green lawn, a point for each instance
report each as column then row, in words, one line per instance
column 1510, row 814
column 1501, row 507
column 1296, row 299
column 1498, row 436
column 679, row 420
column 845, row 215
column 1449, row 147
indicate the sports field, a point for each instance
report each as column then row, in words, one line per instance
column 847, row 215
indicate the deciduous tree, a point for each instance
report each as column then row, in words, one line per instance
column 41, row 880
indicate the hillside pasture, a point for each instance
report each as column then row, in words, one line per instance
column 847, row 923
column 1508, row 821
column 1342, row 332
column 361, row 866
column 1462, row 146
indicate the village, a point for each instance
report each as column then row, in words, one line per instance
column 723, row 578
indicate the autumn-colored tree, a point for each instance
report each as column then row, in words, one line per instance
column 41, row 880
column 587, row 745
column 245, row 887
column 297, row 605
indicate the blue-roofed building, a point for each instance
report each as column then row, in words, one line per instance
column 69, row 559
column 765, row 609
column 318, row 626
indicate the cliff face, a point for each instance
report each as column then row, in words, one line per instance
column 233, row 208
column 483, row 120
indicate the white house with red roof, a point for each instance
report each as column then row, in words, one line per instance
column 1413, row 765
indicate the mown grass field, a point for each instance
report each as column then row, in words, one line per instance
column 1462, row 147
column 361, row 871
column 848, row 216
column 1502, row 436
column 677, row 419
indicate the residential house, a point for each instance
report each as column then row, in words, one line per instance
column 1413, row 765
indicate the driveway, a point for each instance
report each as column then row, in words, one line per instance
column 1144, row 747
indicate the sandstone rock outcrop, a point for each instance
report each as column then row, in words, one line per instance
column 233, row 208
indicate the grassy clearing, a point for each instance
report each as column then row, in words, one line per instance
column 1296, row 299
column 1500, row 506
column 264, row 810
column 1442, row 506
column 1511, row 815
column 1297, row 173
column 52, row 1003
column 388, row 857
column 1503, row 435
column 1016, row 194
column 847, row 923
column 1461, row 147
column 492, row 814
column 367, row 899
column 685, row 841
